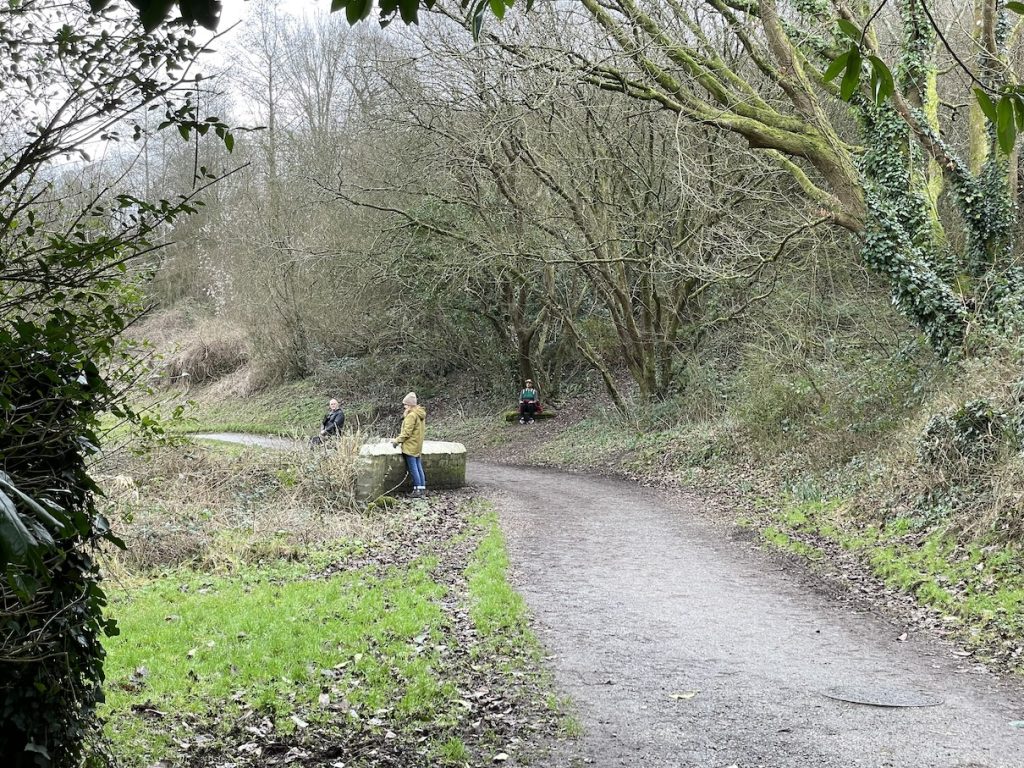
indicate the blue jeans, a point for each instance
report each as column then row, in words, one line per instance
column 416, row 470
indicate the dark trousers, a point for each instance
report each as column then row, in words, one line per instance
column 527, row 409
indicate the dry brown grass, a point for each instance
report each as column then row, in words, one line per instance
column 208, row 352
column 191, row 347
column 214, row 508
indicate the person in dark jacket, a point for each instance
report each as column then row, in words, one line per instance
column 334, row 421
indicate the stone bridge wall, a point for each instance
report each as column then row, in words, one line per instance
column 380, row 468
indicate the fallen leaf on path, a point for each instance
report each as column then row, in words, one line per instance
column 685, row 695
column 500, row 757
column 299, row 722
column 902, row 637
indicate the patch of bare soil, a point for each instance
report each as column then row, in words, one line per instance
column 519, row 441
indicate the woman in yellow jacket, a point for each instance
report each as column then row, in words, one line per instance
column 410, row 440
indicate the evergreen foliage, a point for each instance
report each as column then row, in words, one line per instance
column 70, row 79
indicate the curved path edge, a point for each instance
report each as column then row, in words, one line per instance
column 683, row 648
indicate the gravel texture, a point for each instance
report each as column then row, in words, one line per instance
column 684, row 647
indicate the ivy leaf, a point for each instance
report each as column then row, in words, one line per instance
column 882, row 84
column 850, row 29
column 409, row 10
column 1015, row 7
column 498, row 8
column 837, row 66
column 851, row 79
column 357, row 10
column 154, row 13
column 1018, row 110
column 15, row 539
column 1006, row 124
column 986, row 105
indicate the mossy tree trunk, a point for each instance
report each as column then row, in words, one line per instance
column 887, row 189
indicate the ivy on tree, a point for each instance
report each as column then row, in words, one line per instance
column 1003, row 106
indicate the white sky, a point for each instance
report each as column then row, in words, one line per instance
column 235, row 11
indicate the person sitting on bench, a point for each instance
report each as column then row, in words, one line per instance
column 528, row 403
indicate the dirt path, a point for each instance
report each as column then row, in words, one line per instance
column 638, row 597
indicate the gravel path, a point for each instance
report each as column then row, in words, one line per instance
column 261, row 441
column 683, row 648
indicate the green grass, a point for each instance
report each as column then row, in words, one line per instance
column 194, row 645
column 198, row 652
column 984, row 587
column 452, row 751
column 284, row 410
column 496, row 610
column 290, row 409
column 783, row 541
column 979, row 585
column 571, row 726
column 474, row 431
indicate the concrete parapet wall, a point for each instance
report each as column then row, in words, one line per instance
column 380, row 468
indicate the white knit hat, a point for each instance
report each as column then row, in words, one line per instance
column 409, row 399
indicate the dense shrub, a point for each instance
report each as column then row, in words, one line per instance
column 50, row 597
column 958, row 443
column 207, row 353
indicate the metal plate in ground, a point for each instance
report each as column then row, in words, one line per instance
column 877, row 696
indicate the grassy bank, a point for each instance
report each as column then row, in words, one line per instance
column 974, row 588
column 364, row 638
column 288, row 410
